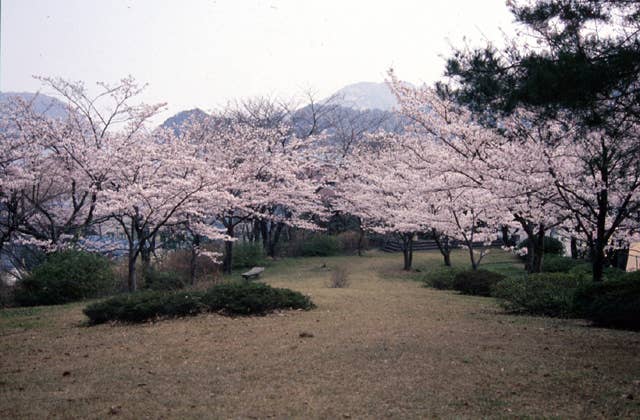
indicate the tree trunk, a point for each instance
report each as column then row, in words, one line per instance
column 472, row 257
column 275, row 238
column 147, row 248
column 574, row 248
column 538, row 250
column 597, row 261
column 265, row 231
column 535, row 245
column 228, row 251
column 407, row 251
column 505, row 235
column 145, row 258
column 443, row 245
column 195, row 243
column 131, row 275
column 597, row 255
column 447, row 259
column 360, row 241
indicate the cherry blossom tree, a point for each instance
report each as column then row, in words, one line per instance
column 268, row 175
column 51, row 172
column 486, row 162
column 159, row 180
column 596, row 177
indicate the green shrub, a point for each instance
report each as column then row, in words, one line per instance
column 632, row 275
column 614, row 273
column 441, row 278
column 66, row 276
column 557, row 264
column 350, row 241
column 611, row 303
column 552, row 246
column 549, row 294
column 231, row 299
column 248, row 254
column 321, row 246
column 476, row 282
column 580, row 268
column 253, row 299
column 162, row 280
column 143, row 306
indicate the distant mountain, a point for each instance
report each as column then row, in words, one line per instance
column 42, row 104
column 365, row 95
column 177, row 120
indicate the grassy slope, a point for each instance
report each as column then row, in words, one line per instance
column 385, row 346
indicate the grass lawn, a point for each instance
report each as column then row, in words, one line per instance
column 383, row 347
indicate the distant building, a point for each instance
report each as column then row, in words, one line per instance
column 633, row 261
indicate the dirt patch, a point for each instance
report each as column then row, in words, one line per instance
column 384, row 346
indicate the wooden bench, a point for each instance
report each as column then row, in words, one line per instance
column 254, row 272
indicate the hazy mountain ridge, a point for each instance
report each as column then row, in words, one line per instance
column 42, row 104
column 365, row 95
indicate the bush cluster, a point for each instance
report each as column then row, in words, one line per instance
column 253, row 299
column 162, row 281
column 321, row 246
column 142, row 306
column 66, row 276
column 441, row 278
column 476, row 282
column 248, row 254
column 549, row 294
column 614, row 302
column 557, row 264
column 230, row 299
column 611, row 303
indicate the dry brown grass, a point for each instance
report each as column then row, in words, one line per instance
column 339, row 278
column 385, row 346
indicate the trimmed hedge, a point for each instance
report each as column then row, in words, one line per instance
column 476, row 282
column 143, row 306
column 611, row 303
column 550, row 294
column 67, row 276
column 253, row 299
column 441, row 278
column 230, row 299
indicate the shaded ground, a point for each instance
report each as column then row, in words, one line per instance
column 385, row 346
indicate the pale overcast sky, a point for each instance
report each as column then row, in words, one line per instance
column 201, row 53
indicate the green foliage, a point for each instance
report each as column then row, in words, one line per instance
column 552, row 246
column 351, row 240
column 143, row 306
column 558, row 264
column 162, row 280
column 231, row 299
column 67, row 276
column 441, row 278
column 248, row 254
column 476, row 282
column 321, row 246
column 613, row 273
column 549, row 294
column 611, row 303
column 253, row 299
